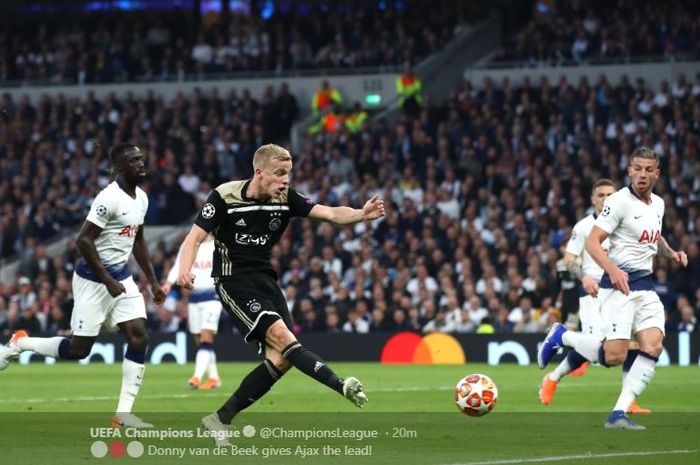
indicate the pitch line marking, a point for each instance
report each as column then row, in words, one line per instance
column 588, row 456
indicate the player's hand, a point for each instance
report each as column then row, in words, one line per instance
column 115, row 288
column 620, row 280
column 373, row 209
column 158, row 294
column 166, row 287
column 590, row 285
column 680, row 258
column 186, row 280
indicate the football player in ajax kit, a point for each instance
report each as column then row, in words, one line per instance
column 203, row 312
column 103, row 289
column 247, row 218
column 580, row 263
column 631, row 219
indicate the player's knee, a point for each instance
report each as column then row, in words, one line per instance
column 654, row 349
column 614, row 360
column 79, row 352
column 280, row 336
column 615, row 357
column 206, row 336
column 138, row 341
column 282, row 364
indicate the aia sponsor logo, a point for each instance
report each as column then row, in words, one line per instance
column 202, row 265
column 649, row 237
column 129, row 231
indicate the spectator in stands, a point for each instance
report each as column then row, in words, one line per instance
column 604, row 30
column 683, row 318
column 409, row 90
column 521, row 163
column 26, row 297
column 326, row 98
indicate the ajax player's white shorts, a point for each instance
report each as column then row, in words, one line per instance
column 626, row 315
column 590, row 316
column 94, row 306
column 203, row 315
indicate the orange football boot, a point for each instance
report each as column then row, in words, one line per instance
column 635, row 408
column 580, row 371
column 547, row 389
column 210, row 384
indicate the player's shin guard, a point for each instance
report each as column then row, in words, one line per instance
column 311, row 364
column 586, row 345
column 572, row 361
column 201, row 361
column 639, row 376
column 56, row 347
column 252, row 388
column 133, row 369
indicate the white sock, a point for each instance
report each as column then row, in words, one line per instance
column 563, row 369
column 639, row 376
column 132, row 377
column 584, row 344
column 212, row 370
column 47, row 346
column 201, row 362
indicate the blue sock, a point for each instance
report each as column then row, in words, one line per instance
column 64, row 349
column 206, row 346
column 135, row 356
column 575, row 359
column 631, row 355
column 601, row 357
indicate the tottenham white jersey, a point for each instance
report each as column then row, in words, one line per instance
column 577, row 246
column 201, row 268
column 120, row 216
column 634, row 228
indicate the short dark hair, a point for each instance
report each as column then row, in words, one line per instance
column 603, row 182
column 644, row 152
column 118, row 151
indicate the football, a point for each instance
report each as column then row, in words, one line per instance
column 476, row 395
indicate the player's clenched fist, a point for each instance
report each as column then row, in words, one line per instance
column 186, row 280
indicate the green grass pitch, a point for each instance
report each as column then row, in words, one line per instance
column 52, row 414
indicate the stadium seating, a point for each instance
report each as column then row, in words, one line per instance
column 482, row 190
column 170, row 46
column 571, row 32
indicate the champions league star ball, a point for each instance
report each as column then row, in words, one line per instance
column 476, row 395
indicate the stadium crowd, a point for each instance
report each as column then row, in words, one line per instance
column 169, row 46
column 481, row 193
column 52, row 164
column 573, row 31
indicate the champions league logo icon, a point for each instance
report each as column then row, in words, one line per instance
column 208, row 211
column 101, row 210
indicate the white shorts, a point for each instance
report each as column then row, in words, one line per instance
column 94, row 306
column 626, row 315
column 203, row 315
column 591, row 319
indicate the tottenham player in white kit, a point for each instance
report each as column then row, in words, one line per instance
column 203, row 312
column 632, row 219
column 104, row 292
column 581, row 264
